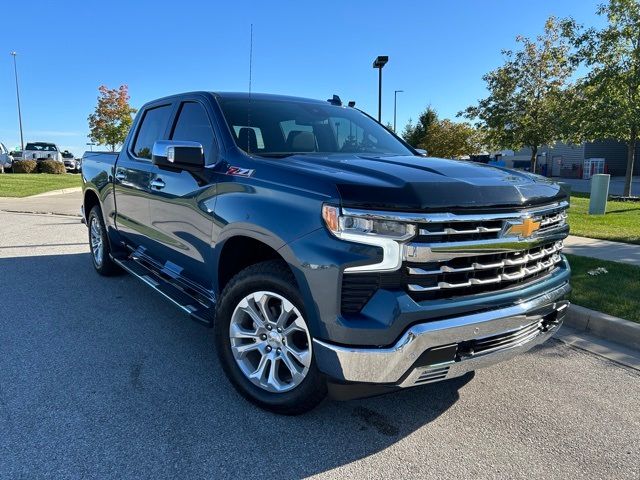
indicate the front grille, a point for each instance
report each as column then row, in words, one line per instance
column 457, row 255
column 468, row 275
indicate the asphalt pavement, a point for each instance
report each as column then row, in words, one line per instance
column 101, row 378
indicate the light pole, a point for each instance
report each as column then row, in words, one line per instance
column 395, row 101
column 378, row 63
column 15, row 71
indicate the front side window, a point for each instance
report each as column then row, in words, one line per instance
column 193, row 125
column 151, row 129
column 296, row 126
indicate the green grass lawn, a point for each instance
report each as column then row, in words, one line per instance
column 621, row 223
column 616, row 293
column 25, row 184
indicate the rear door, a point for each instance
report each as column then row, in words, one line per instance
column 181, row 202
column 134, row 173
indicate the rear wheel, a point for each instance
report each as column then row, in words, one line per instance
column 263, row 340
column 99, row 244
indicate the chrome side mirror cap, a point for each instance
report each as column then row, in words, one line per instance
column 178, row 154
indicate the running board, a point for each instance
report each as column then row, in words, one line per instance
column 196, row 310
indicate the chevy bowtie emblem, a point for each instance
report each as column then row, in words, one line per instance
column 524, row 229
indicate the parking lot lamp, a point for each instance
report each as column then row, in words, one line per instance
column 15, row 72
column 379, row 63
column 395, row 101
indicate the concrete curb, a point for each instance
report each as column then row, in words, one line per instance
column 40, row 212
column 61, row 191
column 605, row 326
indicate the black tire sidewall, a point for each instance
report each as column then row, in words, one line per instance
column 107, row 267
column 268, row 276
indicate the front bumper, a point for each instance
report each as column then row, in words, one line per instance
column 439, row 350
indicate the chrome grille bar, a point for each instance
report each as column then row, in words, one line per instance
column 526, row 258
column 522, row 273
column 453, row 231
column 453, row 217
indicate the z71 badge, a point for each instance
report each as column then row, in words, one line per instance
column 242, row 172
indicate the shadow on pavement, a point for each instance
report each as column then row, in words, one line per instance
column 102, row 377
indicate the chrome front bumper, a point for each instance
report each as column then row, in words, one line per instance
column 470, row 342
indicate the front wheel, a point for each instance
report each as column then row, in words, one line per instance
column 263, row 340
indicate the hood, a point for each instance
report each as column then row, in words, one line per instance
column 414, row 183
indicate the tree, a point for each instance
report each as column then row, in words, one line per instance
column 449, row 139
column 525, row 105
column 442, row 138
column 112, row 118
column 417, row 134
column 608, row 97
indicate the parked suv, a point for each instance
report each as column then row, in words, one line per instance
column 70, row 163
column 327, row 254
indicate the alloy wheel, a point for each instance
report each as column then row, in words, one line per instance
column 270, row 341
column 95, row 238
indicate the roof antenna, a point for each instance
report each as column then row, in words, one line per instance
column 250, row 72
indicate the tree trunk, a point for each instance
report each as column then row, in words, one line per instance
column 631, row 156
column 534, row 158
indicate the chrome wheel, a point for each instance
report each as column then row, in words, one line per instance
column 270, row 341
column 95, row 238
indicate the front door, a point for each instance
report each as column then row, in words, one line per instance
column 181, row 203
column 134, row 173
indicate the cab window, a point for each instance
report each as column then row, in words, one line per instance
column 193, row 125
column 151, row 129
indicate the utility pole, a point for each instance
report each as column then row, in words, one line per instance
column 15, row 72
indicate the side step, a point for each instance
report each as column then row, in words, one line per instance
column 198, row 311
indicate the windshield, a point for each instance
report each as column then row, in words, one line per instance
column 284, row 127
column 41, row 147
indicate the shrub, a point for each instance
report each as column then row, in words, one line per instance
column 25, row 166
column 51, row 166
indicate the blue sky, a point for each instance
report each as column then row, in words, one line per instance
column 438, row 52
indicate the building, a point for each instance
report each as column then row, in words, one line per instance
column 567, row 160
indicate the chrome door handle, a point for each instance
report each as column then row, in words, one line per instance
column 121, row 176
column 158, row 184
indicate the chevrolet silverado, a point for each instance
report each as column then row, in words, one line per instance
column 328, row 255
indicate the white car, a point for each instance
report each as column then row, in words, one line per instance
column 6, row 160
column 42, row 151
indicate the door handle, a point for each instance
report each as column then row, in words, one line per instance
column 120, row 176
column 158, row 184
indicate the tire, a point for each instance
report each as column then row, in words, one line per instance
column 99, row 242
column 288, row 348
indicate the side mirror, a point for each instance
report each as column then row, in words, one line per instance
column 178, row 154
column 422, row 152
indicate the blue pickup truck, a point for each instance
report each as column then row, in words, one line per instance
column 328, row 255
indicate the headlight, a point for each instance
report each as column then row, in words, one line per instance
column 363, row 225
column 366, row 229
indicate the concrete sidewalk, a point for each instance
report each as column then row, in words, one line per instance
column 603, row 249
column 616, row 185
column 60, row 204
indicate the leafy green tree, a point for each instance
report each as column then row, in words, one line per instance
column 525, row 105
column 443, row 138
column 449, row 139
column 607, row 99
column 416, row 135
column 110, row 122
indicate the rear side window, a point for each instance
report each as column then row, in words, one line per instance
column 151, row 129
column 193, row 125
